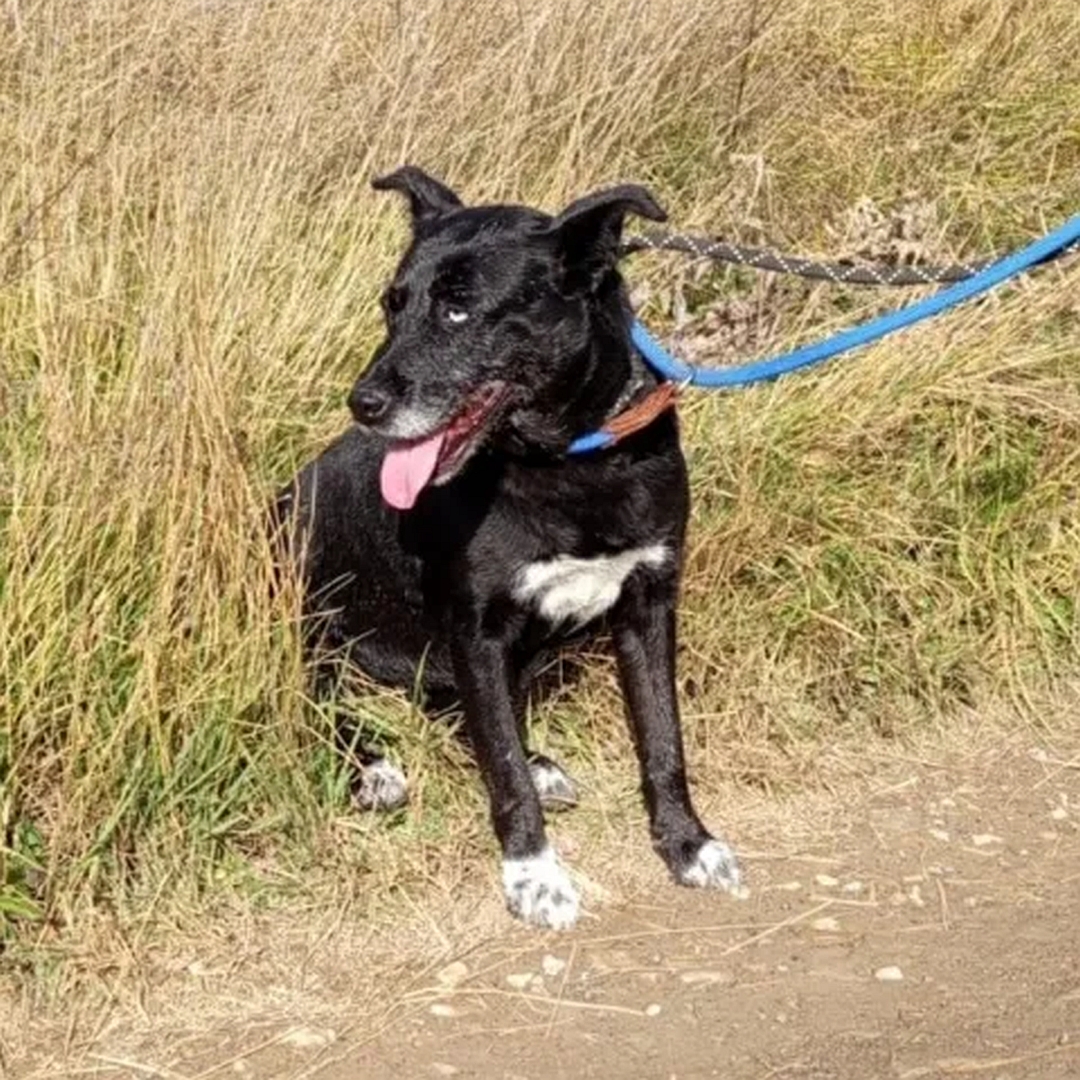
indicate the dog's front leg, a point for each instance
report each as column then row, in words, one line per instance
column 643, row 628
column 537, row 888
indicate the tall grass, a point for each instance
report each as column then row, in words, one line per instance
column 189, row 260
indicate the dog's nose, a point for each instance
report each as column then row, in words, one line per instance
column 368, row 405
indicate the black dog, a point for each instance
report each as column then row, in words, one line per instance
column 450, row 534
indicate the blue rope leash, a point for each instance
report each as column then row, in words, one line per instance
column 666, row 365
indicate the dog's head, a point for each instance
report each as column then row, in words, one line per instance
column 499, row 319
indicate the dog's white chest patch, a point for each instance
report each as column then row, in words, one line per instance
column 569, row 589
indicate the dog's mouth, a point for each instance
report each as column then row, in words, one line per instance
column 410, row 466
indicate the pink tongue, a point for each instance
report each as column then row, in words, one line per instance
column 407, row 468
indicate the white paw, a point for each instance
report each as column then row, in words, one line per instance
column 714, row 866
column 380, row 786
column 538, row 891
column 556, row 790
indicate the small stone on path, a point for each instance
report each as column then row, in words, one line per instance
column 452, row 975
column 707, row 978
column 552, row 966
column 305, row 1038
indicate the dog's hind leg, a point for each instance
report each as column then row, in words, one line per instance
column 554, row 786
column 375, row 783
column 379, row 785
column 643, row 628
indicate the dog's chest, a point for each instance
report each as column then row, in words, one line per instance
column 568, row 589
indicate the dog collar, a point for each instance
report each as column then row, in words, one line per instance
column 633, row 418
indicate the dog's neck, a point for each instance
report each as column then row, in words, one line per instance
column 612, row 375
column 640, row 379
column 601, row 382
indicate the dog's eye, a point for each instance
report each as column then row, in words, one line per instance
column 455, row 316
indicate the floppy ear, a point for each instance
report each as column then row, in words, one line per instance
column 588, row 231
column 428, row 197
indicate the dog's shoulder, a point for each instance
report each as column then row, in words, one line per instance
column 563, row 541
column 625, row 498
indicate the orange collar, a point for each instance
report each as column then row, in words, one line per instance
column 642, row 413
column 633, row 418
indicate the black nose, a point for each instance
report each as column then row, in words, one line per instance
column 368, row 405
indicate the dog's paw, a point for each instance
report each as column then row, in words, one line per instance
column 555, row 788
column 714, row 866
column 538, row 891
column 380, row 786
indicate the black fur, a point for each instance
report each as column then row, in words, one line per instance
column 509, row 296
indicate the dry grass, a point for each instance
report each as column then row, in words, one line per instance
column 189, row 261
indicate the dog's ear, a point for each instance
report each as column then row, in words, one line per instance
column 428, row 198
column 588, row 231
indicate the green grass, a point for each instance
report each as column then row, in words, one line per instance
column 190, row 257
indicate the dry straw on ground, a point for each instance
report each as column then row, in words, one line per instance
column 190, row 257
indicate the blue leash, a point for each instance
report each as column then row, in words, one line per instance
column 666, row 365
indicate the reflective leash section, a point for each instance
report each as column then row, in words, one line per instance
column 677, row 373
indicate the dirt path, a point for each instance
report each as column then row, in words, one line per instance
column 929, row 927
